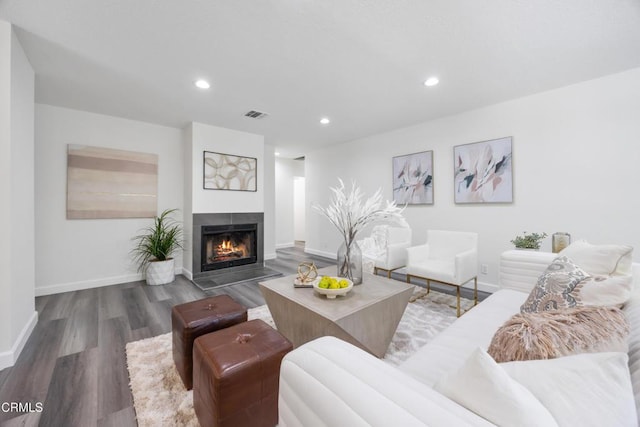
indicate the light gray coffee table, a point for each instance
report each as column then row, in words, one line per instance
column 366, row 317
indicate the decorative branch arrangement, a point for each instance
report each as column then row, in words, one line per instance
column 349, row 215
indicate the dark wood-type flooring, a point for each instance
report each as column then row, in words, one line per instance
column 74, row 363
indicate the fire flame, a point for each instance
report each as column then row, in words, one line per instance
column 226, row 248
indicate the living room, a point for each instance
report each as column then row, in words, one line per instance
column 574, row 136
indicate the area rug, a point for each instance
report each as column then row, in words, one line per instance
column 160, row 398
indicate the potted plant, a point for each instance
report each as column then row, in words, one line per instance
column 155, row 246
column 529, row 240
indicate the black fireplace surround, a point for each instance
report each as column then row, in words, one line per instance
column 236, row 238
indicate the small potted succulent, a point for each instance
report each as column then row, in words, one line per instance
column 155, row 246
column 528, row 240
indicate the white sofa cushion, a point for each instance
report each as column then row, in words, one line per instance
column 450, row 349
column 591, row 389
column 632, row 310
column 483, row 387
column 328, row 382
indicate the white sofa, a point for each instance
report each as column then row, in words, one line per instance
column 328, row 382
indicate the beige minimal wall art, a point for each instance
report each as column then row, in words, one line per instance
column 228, row 172
column 108, row 183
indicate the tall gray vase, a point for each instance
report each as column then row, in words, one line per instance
column 350, row 262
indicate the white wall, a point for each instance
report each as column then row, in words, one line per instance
column 199, row 138
column 17, row 306
column 78, row 254
column 187, row 150
column 285, row 171
column 228, row 141
column 23, row 192
column 6, row 358
column 269, row 202
column 575, row 159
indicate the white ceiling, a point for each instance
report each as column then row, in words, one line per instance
column 359, row 62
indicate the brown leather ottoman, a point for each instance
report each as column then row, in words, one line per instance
column 236, row 375
column 192, row 319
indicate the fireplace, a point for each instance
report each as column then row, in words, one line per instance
column 230, row 245
column 207, row 225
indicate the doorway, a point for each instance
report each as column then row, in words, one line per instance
column 298, row 209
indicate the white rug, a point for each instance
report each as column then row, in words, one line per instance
column 161, row 400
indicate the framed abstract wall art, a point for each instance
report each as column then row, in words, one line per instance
column 483, row 172
column 228, row 172
column 108, row 183
column 413, row 179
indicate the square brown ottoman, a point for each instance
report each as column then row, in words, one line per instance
column 236, row 372
column 192, row 319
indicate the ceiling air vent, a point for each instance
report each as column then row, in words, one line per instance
column 255, row 114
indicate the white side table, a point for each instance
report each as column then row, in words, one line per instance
column 520, row 269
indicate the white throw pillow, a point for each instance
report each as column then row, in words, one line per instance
column 591, row 389
column 481, row 386
column 606, row 290
column 600, row 259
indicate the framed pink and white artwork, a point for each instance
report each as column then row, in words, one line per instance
column 413, row 179
column 483, row 172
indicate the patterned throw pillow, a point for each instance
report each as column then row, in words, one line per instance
column 558, row 287
column 551, row 334
column 565, row 285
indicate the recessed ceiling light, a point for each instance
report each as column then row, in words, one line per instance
column 277, row 153
column 431, row 81
column 325, row 121
column 202, row 84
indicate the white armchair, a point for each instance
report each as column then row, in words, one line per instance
column 386, row 248
column 448, row 257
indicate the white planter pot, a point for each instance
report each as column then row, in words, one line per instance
column 160, row 272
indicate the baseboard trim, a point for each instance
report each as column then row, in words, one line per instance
column 87, row 284
column 330, row 255
column 8, row 358
column 285, row 245
column 485, row 287
column 270, row 256
column 93, row 283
